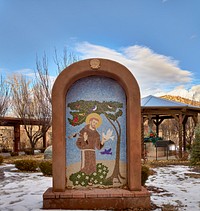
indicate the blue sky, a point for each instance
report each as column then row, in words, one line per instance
column 158, row 40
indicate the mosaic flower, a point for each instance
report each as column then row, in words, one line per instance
column 98, row 177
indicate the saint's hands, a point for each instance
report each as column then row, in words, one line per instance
column 85, row 136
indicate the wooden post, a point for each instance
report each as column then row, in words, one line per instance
column 142, row 137
column 184, row 133
column 16, row 138
column 180, row 136
column 44, row 140
column 157, row 123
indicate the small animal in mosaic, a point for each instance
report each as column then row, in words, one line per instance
column 108, row 135
column 74, row 135
column 106, row 152
column 95, row 108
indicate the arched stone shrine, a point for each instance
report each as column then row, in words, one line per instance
column 96, row 133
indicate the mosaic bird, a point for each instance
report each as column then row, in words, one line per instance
column 74, row 135
column 106, row 152
column 108, row 135
column 95, row 108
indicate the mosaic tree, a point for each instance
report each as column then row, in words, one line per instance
column 112, row 111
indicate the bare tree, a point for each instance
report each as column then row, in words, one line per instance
column 4, row 96
column 169, row 129
column 42, row 70
column 190, row 131
column 65, row 60
column 45, row 80
column 43, row 77
column 32, row 99
column 32, row 106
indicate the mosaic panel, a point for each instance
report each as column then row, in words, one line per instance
column 96, row 133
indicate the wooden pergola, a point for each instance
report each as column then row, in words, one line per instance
column 16, row 123
column 158, row 109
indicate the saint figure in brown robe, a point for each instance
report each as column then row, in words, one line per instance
column 88, row 142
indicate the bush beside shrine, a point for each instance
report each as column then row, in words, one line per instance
column 144, row 174
column 14, row 153
column 26, row 165
column 46, row 167
column 29, row 151
column 1, row 159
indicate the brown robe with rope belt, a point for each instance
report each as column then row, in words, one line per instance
column 88, row 157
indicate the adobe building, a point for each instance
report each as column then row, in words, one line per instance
column 96, row 132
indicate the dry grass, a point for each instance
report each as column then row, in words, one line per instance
column 12, row 159
column 163, row 163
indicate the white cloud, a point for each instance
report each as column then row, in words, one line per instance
column 192, row 93
column 26, row 72
column 30, row 74
column 155, row 73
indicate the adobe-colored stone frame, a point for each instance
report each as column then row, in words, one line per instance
column 63, row 82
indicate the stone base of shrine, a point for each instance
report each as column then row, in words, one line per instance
column 96, row 199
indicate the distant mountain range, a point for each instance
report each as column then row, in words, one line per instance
column 181, row 99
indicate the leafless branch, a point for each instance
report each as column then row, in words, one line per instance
column 31, row 103
column 4, row 96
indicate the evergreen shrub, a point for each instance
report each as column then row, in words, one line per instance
column 29, row 151
column 195, row 151
column 46, row 167
column 26, row 165
column 1, row 159
column 144, row 174
column 14, row 153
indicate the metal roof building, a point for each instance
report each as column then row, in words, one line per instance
column 152, row 101
column 156, row 109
